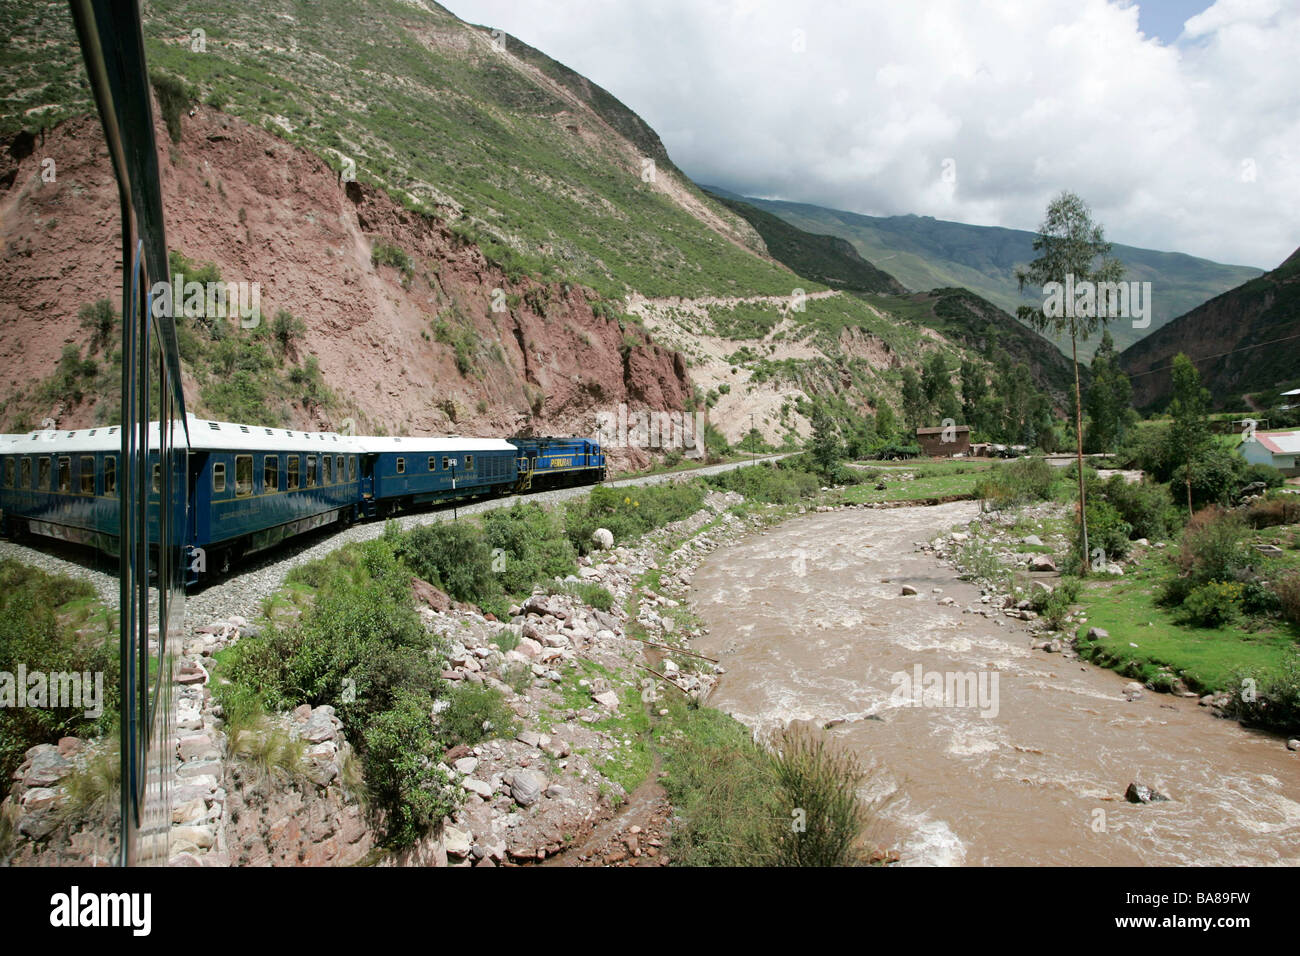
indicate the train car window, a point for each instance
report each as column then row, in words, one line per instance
column 25, row 473
column 87, row 474
column 352, row 467
column 445, row 461
column 157, row 476
column 43, row 474
column 9, row 472
column 339, row 474
column 291, row 479
column 469, row 462
column 110, row 475
column 218, row 477
column 326, row 470
column 65, row 473
column 311, row 471
column 243, row 475
column 433, row 463
column 271, row 473
column 401, row 466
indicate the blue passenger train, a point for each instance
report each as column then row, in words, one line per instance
column 250, row 487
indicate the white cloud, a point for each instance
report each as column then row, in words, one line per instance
column 861, row 108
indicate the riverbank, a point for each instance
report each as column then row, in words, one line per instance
column 847, row 619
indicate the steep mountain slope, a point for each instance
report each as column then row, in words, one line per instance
column 1246, row 340
column 512, row 237
column 827, row 259
column 418, row 346
column 927, row 253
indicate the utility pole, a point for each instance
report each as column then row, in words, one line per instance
column 455, row 510
column 753, row 450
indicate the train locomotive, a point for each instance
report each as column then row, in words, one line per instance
column 249, row 487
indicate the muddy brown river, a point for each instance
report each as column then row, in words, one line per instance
column 986, row 752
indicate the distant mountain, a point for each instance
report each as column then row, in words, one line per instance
column 827, row 259
column 1246, row 340
column 927, row 253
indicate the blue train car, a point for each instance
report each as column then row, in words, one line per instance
column 553, row 462
column 252, row 487
column 406, row 472
column 64, row 485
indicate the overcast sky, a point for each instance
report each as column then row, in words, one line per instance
column 1177, row 120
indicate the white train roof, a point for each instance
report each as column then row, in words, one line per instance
column 204, row 436
column 418, row 444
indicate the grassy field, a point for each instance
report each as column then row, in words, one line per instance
column 932, row 479
column 1146, row 638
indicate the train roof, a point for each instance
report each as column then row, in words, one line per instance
column 417, row 444
column 204, row 436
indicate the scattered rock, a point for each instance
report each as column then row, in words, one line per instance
column 1140, row 793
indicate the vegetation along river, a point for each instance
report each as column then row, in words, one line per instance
column 1031, row 766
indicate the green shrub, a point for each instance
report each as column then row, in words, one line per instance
column 737, row 802
column 1022, row 481
column 774, row 482
column 409, row 790
column 1213, row 547
column 1147, row 507
column 360, row 646
column 532, row 546
column 174, row 98
column 1213, row 604
column 819, row 818
column 35, row 632
column 475, row 712
column 1053, row 606
column 387, row 254
column 630, row 512
column 591, row 594
column 1216, row 477
column 1270, row 512
column 1107, row 529
column 455, row 556
column 1287, row 590
column 1270, row 476
column 1271, row 701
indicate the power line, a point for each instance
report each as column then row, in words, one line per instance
column 1206, row 358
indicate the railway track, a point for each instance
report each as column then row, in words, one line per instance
column 244, row 589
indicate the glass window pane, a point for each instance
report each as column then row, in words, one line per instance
column 110, row 476
column 87, row 475
column 243, row 475
column 271, row 473
column 292, row 483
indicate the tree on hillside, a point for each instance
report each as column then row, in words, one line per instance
column 1073, row 251
column 973, row 390
column 886, row 422
column 1189, row 432
column 936, row 385
column 914, row 404
column 1109, row 399
column 825, row 443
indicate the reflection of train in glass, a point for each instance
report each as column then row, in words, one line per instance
column 249, row 487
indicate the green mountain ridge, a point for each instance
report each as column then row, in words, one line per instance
column 1245, row 340
column 926, row 253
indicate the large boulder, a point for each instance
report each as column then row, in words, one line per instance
column 426, row 593
column 1042, row 562
column 603, row 538
column 526, row 787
